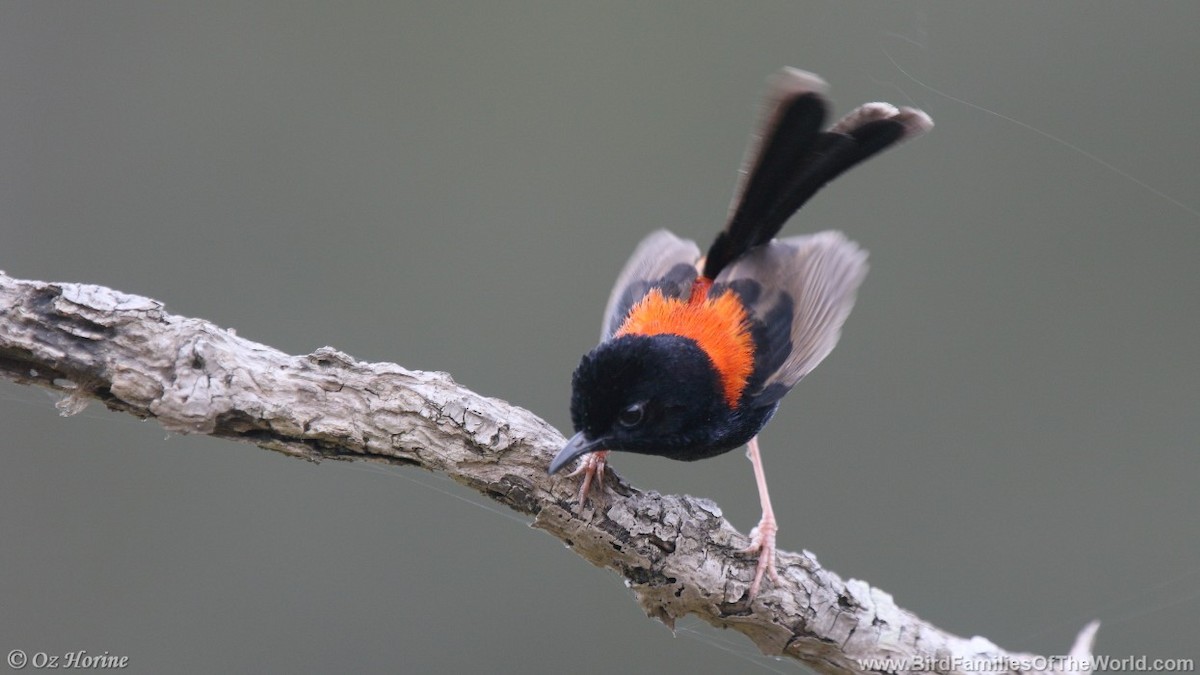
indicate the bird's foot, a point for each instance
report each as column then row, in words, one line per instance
column 591, row 466
column 762, row 542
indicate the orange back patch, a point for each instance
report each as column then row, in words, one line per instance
column 718, row 325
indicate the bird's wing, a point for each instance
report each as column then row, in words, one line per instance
column 799, row 291
column 661, row 261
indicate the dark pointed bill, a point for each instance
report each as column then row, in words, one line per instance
column 578, row 445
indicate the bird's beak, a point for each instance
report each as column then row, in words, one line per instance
column 578, row 445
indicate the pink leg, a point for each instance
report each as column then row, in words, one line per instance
column 762, row 538
column 592, row 467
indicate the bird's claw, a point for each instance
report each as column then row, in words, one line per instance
column 762, row 542
column 592, row 468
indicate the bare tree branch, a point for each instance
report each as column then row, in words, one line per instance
column 677, row 553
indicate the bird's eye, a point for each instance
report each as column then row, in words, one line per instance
column 632, row 416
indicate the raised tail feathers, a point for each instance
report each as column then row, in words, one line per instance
column 790, row 158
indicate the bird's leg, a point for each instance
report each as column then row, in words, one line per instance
column 592, row 467
column 762, row 538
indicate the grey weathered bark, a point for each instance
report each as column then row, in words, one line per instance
column 677, row 553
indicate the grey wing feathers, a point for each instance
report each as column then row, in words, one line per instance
column 661, row 261
column 804, row 288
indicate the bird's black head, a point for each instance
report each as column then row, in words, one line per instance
column 650, row 394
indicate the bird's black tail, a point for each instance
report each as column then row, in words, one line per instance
column 791, row 158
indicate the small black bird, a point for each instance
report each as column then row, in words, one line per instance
column 696, row 353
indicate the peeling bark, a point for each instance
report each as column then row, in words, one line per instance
column 677, row 553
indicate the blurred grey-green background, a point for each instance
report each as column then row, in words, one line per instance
column 1006, row 439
